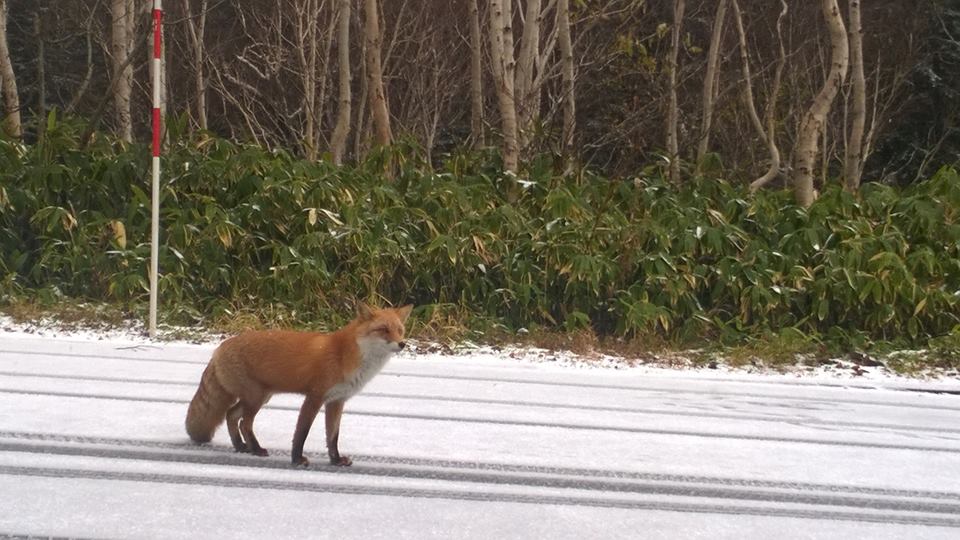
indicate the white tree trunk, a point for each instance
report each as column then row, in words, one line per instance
column 196, row 28
column 526, row 94
column 774, row 150
column 569, row 78
column 673, row 112
column 710, row 80
column 378, row 96
column 41, row 76
column 747, row 75
column 306, row 37
column 501, row 54
column 476, row 77
column 854, row 158
column 122, row 25
column 361, row 127
column 11, row 97
column 324, row 78
column 815, row 118
column 338, row 144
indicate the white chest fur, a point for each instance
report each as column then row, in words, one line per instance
column 374, row 353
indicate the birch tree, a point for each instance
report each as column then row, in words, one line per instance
column 196, row 28
column 529, row 45
column 40, row 36
column 673, row 112
column 527, row 95
column 771, row 114
column 710, row 79
column 378, row 97
column 122, row 30
column 815, row 119
column 476, row 76
column 854, row 158
column 747, row 74
column 341, row 131
column 260, row 71
column 11, row 98
column 502, row 61
column 360, row 126
column 569, row 77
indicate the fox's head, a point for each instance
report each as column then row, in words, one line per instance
column 382, row 329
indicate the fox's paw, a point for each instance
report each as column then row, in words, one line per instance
column 260, row 452
column 302, row 461
column 341, row 461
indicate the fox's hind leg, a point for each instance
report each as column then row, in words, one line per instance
column 233, row 426
column 250, row 410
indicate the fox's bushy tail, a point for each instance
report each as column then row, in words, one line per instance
column 209, row 405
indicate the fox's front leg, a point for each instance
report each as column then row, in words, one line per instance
column 308, row 412
column 333, row 413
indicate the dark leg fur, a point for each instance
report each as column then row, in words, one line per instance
column 233, row 427
column 308, row 412
column 333, row 413
column 250, row 411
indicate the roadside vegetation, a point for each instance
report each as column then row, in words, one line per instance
column 257, row 237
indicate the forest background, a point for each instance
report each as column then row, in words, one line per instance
column 778, row 176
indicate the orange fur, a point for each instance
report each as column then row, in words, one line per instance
column 327, row 369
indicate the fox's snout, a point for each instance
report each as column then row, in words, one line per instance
column 401, row 344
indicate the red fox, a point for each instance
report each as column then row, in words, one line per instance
column 328, row 369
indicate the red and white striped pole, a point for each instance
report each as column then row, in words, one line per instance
column 155, row 197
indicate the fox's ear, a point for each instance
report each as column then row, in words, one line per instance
column 404, row 312
column 364, row 313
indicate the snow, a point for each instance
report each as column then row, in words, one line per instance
column 477, row 444
column 838, row 371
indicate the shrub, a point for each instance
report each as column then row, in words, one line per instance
column 245, row 227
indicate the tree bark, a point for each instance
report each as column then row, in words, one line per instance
column 41, row 76
column 311, row 46
column 328, row 37
column 87, row 135
column 341, row 131
column 526, row 64
column 122, row 17
column 476, row 77
column 501, row 53
column 378, row 99
column 816, row 116
column 771, row 114
column 710, row 80
column 569, row 78
column 361, row 126
column 673, row 112
column 196, row 28
column 854, row 158
column 12, row 124
column 747, row 76
column 306, row 40
column 542, row 68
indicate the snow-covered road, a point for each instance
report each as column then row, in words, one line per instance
column 92, row 445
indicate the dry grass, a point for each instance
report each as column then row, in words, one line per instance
column 444, row 328
column 67, row 316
